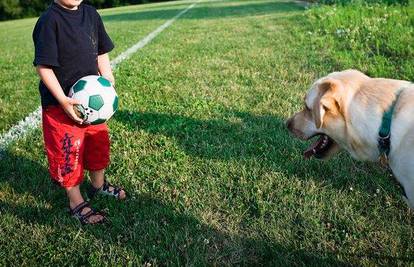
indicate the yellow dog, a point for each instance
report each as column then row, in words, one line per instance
column 371, row 118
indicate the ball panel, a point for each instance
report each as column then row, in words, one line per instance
column 115, row 104
column 96, row 102
column 79, row 86
column 92, row 115
column 106, row 111
column 98, row 121
column 104, row 82
column 82, row 97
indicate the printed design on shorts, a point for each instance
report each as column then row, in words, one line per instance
column 68, row 166
column 77, row 146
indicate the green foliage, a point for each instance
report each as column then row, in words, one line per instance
column 10, row 9
column 347, row 2
column 13, row 9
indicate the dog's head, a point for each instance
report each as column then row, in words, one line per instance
column 322, row 116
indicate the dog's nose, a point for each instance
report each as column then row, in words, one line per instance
column 289, row 123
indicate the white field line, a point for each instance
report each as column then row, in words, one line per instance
column 32, row 121
column 148, row 38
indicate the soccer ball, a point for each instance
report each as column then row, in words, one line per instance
column 98, row 99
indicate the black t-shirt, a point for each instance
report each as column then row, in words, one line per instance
column 69, row 42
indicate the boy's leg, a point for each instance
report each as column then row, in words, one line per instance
column 64, row 147
column 75, row 199
column 97, row 150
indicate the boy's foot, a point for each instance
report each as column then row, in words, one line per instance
column 106, row 189
column 87, row 215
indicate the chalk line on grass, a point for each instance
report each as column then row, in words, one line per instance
column 32, row 121
column 20, row 129
column 148, row 38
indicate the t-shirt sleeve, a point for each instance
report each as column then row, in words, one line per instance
column 44, row 39
column 105, row 44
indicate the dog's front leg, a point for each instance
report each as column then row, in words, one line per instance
column 404, row 173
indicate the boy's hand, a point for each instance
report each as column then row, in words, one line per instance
column 68, row 107
column 49, row 78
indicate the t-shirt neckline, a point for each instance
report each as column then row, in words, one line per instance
column 69, row 11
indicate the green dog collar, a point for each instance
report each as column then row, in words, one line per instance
column 384, row 140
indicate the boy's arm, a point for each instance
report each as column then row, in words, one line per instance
column 104, row 67
column 49, row 79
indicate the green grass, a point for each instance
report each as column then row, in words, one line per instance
column 19, row 83
column 376, row 39
column 199, row 143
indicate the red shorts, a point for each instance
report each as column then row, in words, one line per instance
column 71, row 147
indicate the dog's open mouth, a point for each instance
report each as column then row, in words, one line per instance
column 320, row 147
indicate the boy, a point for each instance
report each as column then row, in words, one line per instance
column 71, row 42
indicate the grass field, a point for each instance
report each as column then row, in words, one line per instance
column 199, row 144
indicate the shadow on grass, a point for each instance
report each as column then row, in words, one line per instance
column 149, row 229
column 245, row 136
column 200, row 12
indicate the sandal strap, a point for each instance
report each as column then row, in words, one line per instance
column 84, row 218
column 105, row 186
column 79, row 208
column 104, row 189
column 115, row 192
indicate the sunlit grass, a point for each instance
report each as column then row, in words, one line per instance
column 200, row 145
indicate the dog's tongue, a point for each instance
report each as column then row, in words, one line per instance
column 312, row 149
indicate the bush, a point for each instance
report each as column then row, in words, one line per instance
column 14, row 9
column 10, row 9
column 346, row 2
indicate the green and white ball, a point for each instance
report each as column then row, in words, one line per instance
column 98, row 99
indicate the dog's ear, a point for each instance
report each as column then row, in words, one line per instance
column 327, row 101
